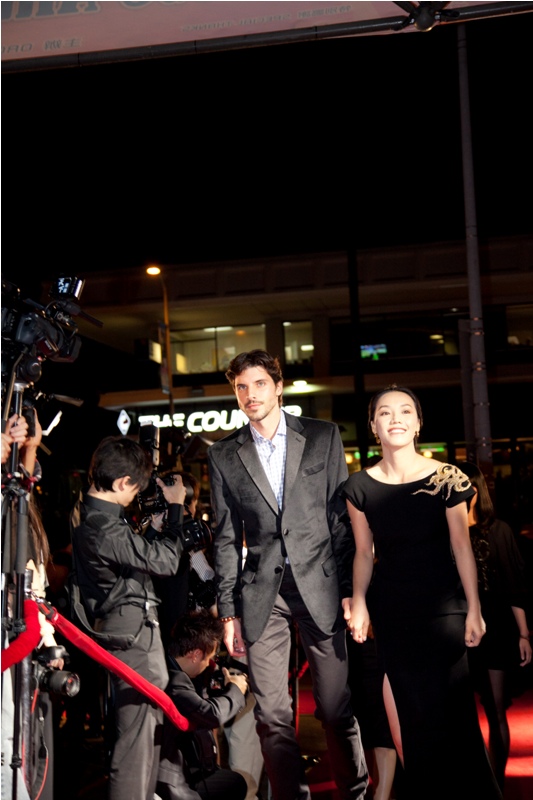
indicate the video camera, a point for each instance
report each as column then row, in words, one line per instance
column 32, row 333
column 195, row 534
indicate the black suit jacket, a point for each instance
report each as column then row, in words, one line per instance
column 312, row 528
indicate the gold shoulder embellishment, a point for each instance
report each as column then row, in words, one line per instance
column 447, row 476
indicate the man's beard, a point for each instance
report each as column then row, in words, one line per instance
column 259, row 414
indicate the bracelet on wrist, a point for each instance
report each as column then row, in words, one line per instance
column 524, row 637
column 227, row 619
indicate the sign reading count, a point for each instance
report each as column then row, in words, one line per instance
column 206, row 421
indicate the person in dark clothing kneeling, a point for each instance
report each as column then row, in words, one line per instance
column 195, row 639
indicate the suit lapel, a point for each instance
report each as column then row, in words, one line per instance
column 248, row 455
column 295, row 449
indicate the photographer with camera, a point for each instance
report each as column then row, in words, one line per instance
column 113, row 568
column 193, row 586
column 196, row 637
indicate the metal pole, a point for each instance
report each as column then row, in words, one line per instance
column 360, row 411
column 480, row 401
column 168, row 350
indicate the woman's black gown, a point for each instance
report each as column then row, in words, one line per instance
column 418, row 609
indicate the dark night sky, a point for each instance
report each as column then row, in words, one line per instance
column 286, row 149
column 269, row 151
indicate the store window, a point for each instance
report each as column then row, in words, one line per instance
column 211, row 349
column 520, row 326
column 388, row 337
column 298, row 341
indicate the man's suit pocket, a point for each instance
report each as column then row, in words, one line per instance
column 314, row 468
column 329, row 566
column 248, row 575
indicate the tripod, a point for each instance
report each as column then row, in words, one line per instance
column 16, row 489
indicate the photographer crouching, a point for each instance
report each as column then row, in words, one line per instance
column 189, row 768
column 113, row 569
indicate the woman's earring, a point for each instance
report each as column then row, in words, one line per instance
column 417, row 434
column 378, row 440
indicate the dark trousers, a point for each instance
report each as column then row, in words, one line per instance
column 268, row 662
column 138, row 723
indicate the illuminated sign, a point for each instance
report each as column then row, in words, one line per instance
column 206, row 421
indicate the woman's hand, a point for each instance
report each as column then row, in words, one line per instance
column 359, row 620
column 17, row 429
column 525, row 651
column 474, row 628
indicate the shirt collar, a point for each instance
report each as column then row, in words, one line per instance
column 114, row 509
column 281, row 431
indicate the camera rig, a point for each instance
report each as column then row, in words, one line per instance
column 31, row 333
column 195, row 533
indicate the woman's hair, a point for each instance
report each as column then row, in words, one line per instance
column 39, row 540
column 484, row 514
column 116, row 457
column 195, row 630
column 192, row 487
column 254, row 358
column 393, row 388
column 484, row 509
column 38, row 547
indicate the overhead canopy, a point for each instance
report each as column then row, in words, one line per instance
column 41, row 35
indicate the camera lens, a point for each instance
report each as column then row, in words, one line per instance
column 195, row 535
column 60, row 682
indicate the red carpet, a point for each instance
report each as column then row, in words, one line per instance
column 519, row 772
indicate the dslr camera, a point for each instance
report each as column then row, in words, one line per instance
column 51, row 680
column 195, row 534
column 215, row 676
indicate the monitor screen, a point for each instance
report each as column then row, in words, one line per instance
column 373, row 351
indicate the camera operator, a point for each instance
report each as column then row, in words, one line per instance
column 48, row 656
column 196, row 637
column 113, row 567
column 193, row 586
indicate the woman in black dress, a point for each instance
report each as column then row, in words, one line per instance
column 504, row 594
column 411, row 515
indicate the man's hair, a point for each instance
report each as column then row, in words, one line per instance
column 254, row 358
column 116, row 457
column 195, row 630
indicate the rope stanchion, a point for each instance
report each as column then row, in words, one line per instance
column 113, row 664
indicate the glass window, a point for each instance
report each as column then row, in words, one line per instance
column 211, row 349
column 520, row 326
column 232, row 341
column 394, row 337
column 298, row 341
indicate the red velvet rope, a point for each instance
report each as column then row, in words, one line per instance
column 26, row 641
column 95, row 651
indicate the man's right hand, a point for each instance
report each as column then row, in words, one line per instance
column 175, row 493
column 233, row 638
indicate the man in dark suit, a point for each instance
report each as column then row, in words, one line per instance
column 275, row 490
